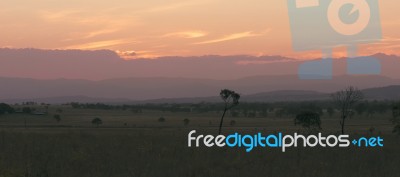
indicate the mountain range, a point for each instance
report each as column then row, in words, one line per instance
column 106, row 64
column 59, row 76
column 145, row 90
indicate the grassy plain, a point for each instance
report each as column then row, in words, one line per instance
column 138, row 145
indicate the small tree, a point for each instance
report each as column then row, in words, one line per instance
column 345, row 100
column 396, row 114
column 27, row 110
column 264, row 113
column 395, row 119
column 371, row 130
column 330, row 111
column 5, row 108
column 97, row 121
column 161, row 119
column 231, row 99
column 233, row 123
column 57, row 117
column 59, row 110
column 186, row 122
column 308, row 120
column 396, row 129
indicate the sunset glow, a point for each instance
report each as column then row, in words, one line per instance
column 153, row 28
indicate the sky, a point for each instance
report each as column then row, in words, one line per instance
column 155, row 28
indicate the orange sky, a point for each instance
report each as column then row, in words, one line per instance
column 154, row 28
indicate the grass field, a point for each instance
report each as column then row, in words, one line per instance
column 132, row 144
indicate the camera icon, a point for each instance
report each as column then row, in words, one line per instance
column 325, row 24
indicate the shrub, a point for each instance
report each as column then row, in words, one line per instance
column 186, row 122
column 308, row 120
column 233, row 123
column 59, row 110
column 5, row 108
column 27, row 110
column 161, row 119
column 371, row 130
column 97, row 121
column 396, row 129
column 57, row 117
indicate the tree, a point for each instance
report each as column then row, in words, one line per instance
column 59, row 110
column 231, row 99
column 97, row 121
column 57, row 117
column 396, row 129
column 396, row 113
column 5, row 108
column 330, row 111
column 264, row 113
column 395, row 119
column 309, row 120
column 234, row 113
column 360, row 108
column 345, row 100
column 161, row 119
column 27, row 110
column 232, row 123
column 186, row 122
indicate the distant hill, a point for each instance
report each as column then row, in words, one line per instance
column 274, row 96
column 106, row 64
column 382, row 93
column 286, row 95
column 155, row 88
column 69, row 99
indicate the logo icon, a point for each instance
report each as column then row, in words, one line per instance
column 326, row 24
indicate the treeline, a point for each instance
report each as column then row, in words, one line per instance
column 246, row 109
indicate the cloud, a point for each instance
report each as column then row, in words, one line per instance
column 90, row 34
column 99, row 44
column 100, row 32
column 390, row 39
column 262, row 62
column 87, row 18
column 170, row 7
column 233, row 37
column 126, row 54
column 187, row 34
column 138, row 54
column 58, row 15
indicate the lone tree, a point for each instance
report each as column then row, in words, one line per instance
column 231, row 99
column 345, row 100
column 97, row 121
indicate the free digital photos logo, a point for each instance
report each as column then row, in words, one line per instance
column 279, row 140
column 326, row 24
column 318, row 25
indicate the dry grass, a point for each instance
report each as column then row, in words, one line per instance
column 148, row 148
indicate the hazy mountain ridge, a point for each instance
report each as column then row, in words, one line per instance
column 106, row 64
column 166, row 77
column 257, row 88
column 274, row 96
